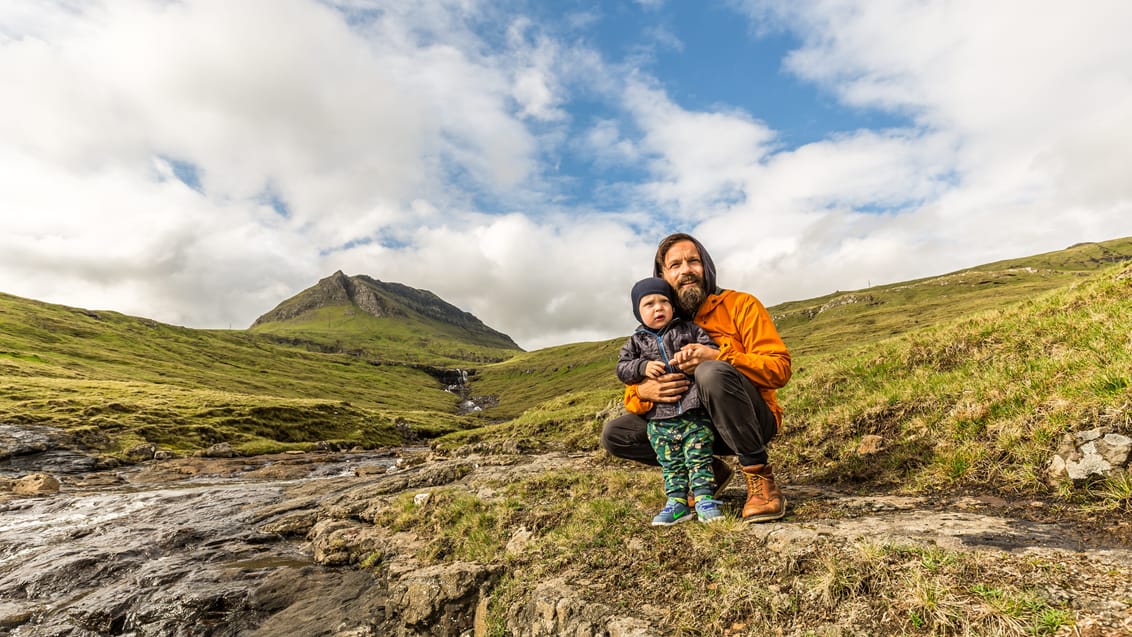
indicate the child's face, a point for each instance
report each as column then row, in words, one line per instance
column 656, row 310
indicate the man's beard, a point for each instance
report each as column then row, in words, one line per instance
column 689, row 298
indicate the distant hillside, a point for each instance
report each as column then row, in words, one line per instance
column 117, row 381
column 844, row 319
column 389, row 321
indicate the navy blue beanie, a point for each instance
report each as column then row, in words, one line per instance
column 645, row 287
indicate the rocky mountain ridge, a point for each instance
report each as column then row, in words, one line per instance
column 383, row 299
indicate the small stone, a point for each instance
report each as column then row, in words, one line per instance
column 1088, row 436
column 36, row 484
column 220, row 450
column 142, row 452
column 519, row 541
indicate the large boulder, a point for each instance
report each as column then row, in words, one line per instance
column 441, row 599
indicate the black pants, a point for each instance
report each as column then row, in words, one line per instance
column 742, row 421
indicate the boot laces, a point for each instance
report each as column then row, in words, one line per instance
column 756, row 484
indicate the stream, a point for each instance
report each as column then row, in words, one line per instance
column 294, row 545
column 169, row 551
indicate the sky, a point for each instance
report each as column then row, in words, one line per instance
column 197, row 162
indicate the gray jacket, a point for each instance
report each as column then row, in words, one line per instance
column 647, row 345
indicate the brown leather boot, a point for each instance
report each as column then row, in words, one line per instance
column 764, row 500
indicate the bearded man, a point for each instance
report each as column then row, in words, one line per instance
column 736, row 383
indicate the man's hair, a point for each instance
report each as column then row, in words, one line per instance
column 665, row 244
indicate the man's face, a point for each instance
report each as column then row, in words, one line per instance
column 655, row 310
column 684, row 271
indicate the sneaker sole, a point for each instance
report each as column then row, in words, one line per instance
column 676, row 521
column 767, row 517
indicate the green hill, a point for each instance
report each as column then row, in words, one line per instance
column 969, row 377
column 118, row 381
column 389, row 321
column 843, row 319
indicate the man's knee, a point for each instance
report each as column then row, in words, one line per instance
column 607, row 438
column 714, row 375
column 621, row 433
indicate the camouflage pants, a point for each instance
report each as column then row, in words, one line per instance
column 683, row 447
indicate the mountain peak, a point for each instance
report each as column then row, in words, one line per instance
column 382, row 299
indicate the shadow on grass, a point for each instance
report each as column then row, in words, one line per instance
column 891, row 466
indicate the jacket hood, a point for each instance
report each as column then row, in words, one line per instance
column 709, row 267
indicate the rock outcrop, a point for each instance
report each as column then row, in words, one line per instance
column 1095, row 453
column 385, row 300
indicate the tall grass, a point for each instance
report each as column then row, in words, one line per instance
column 978, row 402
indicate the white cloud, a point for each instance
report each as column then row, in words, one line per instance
column 698, row 158
column 560, row 280
column 1024, row 118
column 346, row 125
column 427, row 143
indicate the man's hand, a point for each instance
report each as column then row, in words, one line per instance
column 691, row 355
column 669, row 388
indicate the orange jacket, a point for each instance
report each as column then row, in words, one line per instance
column 747, row 339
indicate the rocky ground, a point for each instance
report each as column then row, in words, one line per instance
column 297, row 545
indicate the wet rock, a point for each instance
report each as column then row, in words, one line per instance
column 34, row 448
column 141, row 453
column 315, row 601
column 1092, row 453
column 219, row 450
column 16, row 440
column 370, row 470
column 36, row 484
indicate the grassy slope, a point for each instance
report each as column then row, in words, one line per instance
column 971, row 377
column 346, row 328
column 136, row 380
column 843, row 319
column 978, row 403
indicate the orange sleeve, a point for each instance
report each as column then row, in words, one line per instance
column 755, row 348
column 634, row 404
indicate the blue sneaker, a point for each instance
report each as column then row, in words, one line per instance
column 707, row 509
column 674, row 511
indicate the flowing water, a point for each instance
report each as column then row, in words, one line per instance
column 140, row 554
